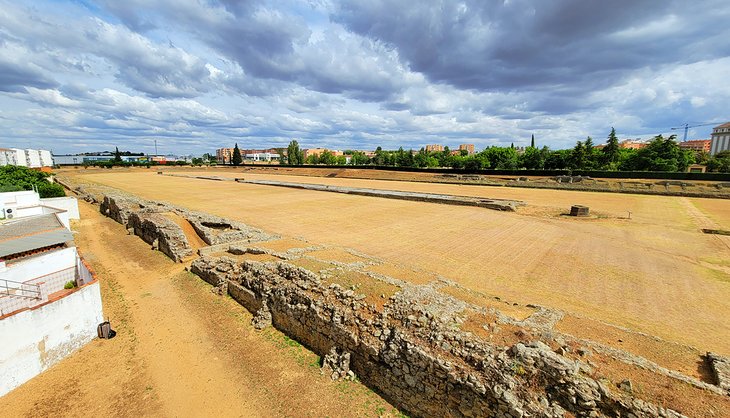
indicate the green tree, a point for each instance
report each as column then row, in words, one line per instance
column 578, row 156
column 558, row 160
column 720, row 162
column 591, row 157
column 533, row 158
column 532, row 141
column 661, row 154
column 16, row 178
column 359, row 158
column 236, row 159
column 499, row 158
column 312, row 159
column 117, row 155
column 327, row 158
column 610, row 152
column 294, row 155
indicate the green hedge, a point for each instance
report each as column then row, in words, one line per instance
column 658, row 175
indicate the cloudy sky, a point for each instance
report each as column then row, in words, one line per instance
column 196, row 75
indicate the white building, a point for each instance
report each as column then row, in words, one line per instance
column 32, row 158
column 720, row 138
column 261, row 156
column 41, row 322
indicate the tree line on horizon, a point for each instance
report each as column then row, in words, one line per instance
column 660, row 154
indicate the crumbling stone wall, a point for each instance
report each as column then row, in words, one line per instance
column 145, row 219
column 119, row 208
column 413, row 352
column 215, row 230
column 162, row 233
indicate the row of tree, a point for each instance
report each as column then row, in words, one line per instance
column 660, row 154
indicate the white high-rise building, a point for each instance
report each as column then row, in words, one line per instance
column 720, row 138
column 32, row 158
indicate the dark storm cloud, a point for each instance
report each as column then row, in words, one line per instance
column 15, row 77
column 503, row 45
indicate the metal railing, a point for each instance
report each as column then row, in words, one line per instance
column 19, row 290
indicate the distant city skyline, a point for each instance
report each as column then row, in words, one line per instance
column 83, row 76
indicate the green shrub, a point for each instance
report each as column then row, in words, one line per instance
column 69, row 284
column 15, row 178
column 50, row 190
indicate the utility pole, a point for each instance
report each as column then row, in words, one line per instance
column 155, row 147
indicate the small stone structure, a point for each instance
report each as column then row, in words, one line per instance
column 721, row 370
column 579, row 210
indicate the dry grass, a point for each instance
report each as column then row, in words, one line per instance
column 335, row 254
column 282, row 245
column 315, row 266
column 677, row 357
column 410, row 275
column 517, row 312
column 376, row 291
column 655, row 273
column 662, row 390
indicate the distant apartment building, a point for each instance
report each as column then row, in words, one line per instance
column 434, row 148
column 699, row 145
column 467, row 147
column 720, row 138
column 79, row 159
column 224, row 155
column 270, row 154
column 318, row 151
column 32, row 158
column 631, row 144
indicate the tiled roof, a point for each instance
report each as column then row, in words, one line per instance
column 27, row 234
column 724, row 125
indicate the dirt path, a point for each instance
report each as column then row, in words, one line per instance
column 180, row 350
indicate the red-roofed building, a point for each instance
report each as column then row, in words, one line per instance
column 700, row 145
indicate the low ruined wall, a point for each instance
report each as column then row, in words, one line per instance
column 412, row 350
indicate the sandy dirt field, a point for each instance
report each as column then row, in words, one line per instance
column 655, row 273
column 180, row 350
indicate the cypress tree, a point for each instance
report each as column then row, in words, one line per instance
column 532, row 142
column 236, row 160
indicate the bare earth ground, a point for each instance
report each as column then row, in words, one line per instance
column 180, row 350
column 655, row 273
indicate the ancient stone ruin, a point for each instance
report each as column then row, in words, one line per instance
column 413, row 352
column 421, row 349
column 154, row 223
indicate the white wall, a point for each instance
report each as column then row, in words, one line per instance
column 23, row 198
column 40, row 265
column 34, row 158
column 36, row 339
column 69, row 204
column 46, row 158
column 20, row 158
